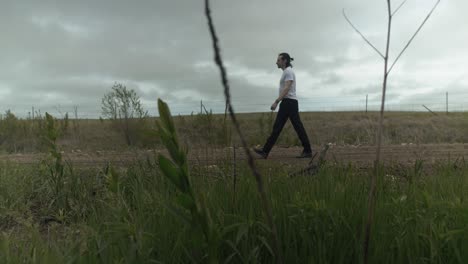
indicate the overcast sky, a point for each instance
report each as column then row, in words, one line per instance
column 57, row 54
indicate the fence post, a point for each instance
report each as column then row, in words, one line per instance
column 446, row 101
column 367, row 97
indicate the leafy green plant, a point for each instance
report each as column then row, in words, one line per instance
column 69, row 194
column 177, row 172
column 55, row 168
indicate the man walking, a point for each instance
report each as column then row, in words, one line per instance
column 289, row 109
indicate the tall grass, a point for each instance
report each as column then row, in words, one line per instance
column 124, row 215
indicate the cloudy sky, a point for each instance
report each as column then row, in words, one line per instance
column 58, row 54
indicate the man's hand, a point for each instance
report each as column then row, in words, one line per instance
column 274, row 105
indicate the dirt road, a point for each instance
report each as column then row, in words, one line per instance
column 361, row 155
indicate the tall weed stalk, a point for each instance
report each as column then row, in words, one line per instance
column 177, row 171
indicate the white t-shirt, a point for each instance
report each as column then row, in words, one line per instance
column 288, row 75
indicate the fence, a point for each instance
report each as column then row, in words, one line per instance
column 444, row 103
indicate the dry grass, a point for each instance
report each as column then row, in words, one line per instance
column 342, row 128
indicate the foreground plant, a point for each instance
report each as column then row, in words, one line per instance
column 56, row 167
column 178, row 173
column 387, row 69
column 258, row 177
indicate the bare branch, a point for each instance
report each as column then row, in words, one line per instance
column 372, row 199
column 363, row 37
column 398, row 8
column 227, row 94
column 414, row 35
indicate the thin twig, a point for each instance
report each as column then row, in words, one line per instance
column 258, row 177
column 398, row 8
column 373, row 185
column 363, row 37
column 417, row 31
column 314, row 167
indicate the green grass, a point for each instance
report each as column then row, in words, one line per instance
column 132, row 218
column 55, row 212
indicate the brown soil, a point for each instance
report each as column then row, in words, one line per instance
column 359, row 155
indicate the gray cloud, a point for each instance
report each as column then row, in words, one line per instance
column 71, row 52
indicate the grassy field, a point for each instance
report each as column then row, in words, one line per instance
column 55, row 212
column 132, row 215
column 200, row 130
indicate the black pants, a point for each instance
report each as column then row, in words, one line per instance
column 288, row 108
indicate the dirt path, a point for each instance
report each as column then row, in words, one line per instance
column 361, row 155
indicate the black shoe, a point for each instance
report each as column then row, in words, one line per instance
column 260, row 152
column 305, row 154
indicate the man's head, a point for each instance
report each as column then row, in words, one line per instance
column 284, row 60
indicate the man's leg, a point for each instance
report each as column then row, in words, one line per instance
column 281, row 119
column 299, row 127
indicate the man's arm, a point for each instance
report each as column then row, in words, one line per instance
column 287, row 87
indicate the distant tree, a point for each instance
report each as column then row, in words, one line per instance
column 124, row 108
